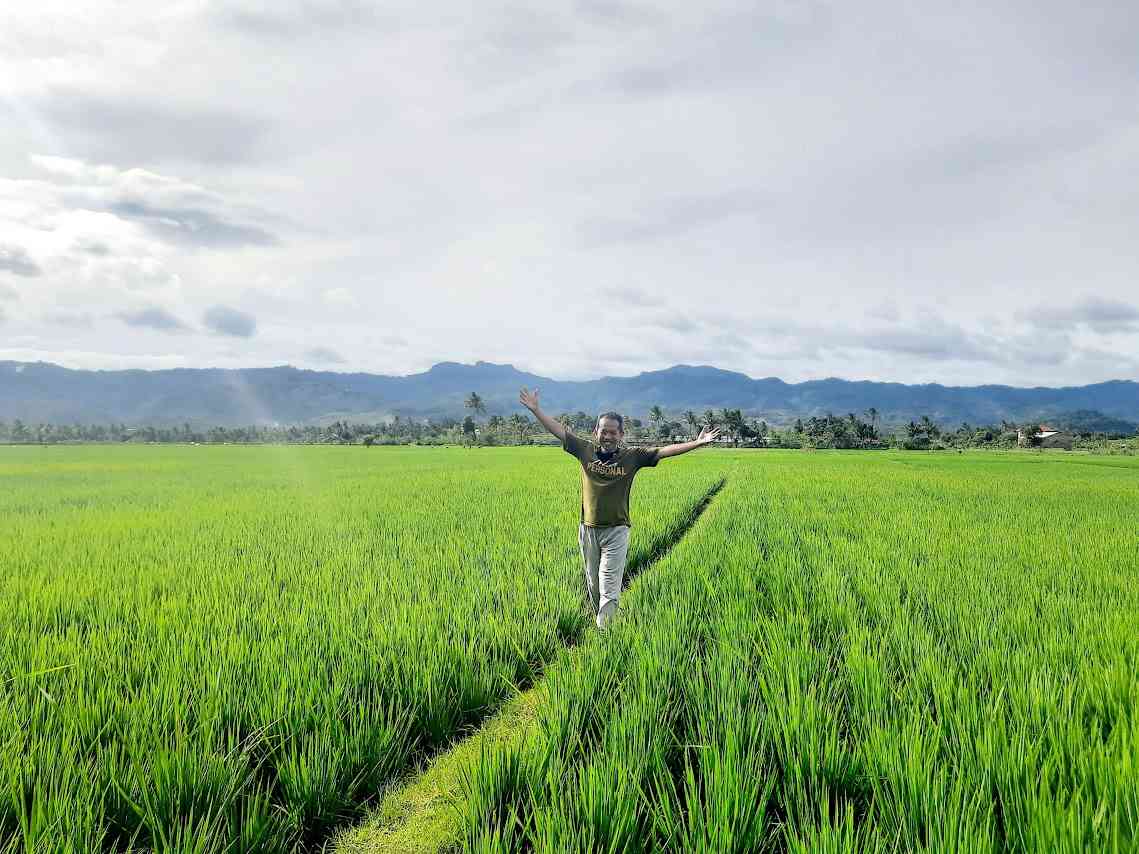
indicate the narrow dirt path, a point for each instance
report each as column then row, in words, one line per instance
column 417, row 815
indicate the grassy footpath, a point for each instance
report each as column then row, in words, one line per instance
column 420, row 814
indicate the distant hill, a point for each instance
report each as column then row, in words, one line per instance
column 1090, row 421
column 42, row 392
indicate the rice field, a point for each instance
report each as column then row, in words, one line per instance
column 237, row 649
column 854, row 653
column 208, row 649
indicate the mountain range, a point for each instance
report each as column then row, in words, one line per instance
column 43, row 392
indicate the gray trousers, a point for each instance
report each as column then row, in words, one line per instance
column 603, row 550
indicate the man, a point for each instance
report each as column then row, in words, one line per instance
column 607, row 469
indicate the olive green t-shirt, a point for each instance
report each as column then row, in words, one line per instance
column 605, row 486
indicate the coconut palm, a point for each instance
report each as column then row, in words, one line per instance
column 693, row 422
column 475, row 403
column 519, row 424
column 734, row 425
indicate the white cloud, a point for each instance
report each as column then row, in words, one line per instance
column 15, row 260
column 99, row 227
column 153, row 317
column 791, row 189
column 1093, row 313
column 225, row 320
column 71, row 319
column 339, row 296
column 110, row 360
column 77, row 170
column 324, row 356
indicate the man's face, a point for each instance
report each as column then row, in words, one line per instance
column 608, row 434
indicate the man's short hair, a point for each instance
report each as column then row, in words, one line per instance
column 616, row 416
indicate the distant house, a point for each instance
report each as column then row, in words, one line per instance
column 1046, row 438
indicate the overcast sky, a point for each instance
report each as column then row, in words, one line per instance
column 866, row 190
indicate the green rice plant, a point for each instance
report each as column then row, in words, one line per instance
column 235, row 649
column 888, row 652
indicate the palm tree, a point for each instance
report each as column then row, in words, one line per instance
column 693, row 422
column 732, row 421
column 474, row 402
column 872, row 414
column 656, row 415
column 734, row 424
column 519, row 423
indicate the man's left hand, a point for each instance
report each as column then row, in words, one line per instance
column 708, row 434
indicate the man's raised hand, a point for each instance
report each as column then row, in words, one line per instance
column 708, row 434
column 529, row 399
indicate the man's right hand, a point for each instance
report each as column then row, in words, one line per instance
column 529, row 399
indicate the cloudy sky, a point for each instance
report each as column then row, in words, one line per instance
column 887, row 191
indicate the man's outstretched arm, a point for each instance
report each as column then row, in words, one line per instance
column 530, row 401
column 704, row 438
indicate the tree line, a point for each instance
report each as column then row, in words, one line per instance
column 401, row 431
column 849, row 431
